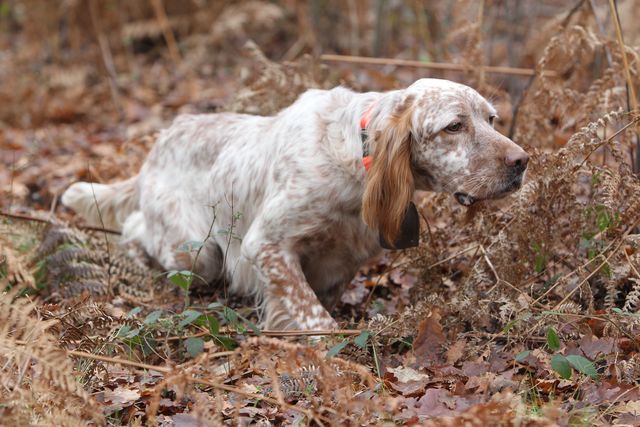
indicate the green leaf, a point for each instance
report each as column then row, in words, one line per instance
column 361, row 340
column 226, row 342
column 560, row 364
column 214, row 306
column 152, row 317
column 509, row 326
column 190, row 316
column 540, row 258
column 250, row 325
column 123, row 331
column 194, row 346
column 181, row 278
column 238, row 321
column 583, row 365
column 5, row 9
column 552, row 339
column 522, row 356
column 617, row 310
column 552, row 281
column 213, row 325
column 540, row 263
column 133, row 313
column 333, row 351
column 230, row 315
column 148, row 345
column 603, row 220
column 190, row 246
column 210, row 322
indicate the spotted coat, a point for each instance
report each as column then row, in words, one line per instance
column 291, row 209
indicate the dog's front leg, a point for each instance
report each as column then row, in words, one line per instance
column 288, row 300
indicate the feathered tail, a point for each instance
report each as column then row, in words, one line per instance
column 103, row 205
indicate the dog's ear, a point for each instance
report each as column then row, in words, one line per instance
column 390, row 186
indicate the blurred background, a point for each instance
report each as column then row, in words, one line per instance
column 86, row 79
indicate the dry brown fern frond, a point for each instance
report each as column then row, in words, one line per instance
column 245, row 18
column 76, row 263
column 628, row 371
column 632, row 299
column 555, row 105
column 304, row 373
column 35, row 368
column 272, row 86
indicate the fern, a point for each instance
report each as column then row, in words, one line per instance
column 31, row 360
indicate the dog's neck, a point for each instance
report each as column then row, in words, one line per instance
column 373, row 109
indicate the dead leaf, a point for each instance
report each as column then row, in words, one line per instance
column 427, row 346
column 121, row 396
column 455, row 352
column 406, row 381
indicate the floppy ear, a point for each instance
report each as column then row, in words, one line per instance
column 390, row 186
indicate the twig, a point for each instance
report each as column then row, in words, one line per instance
column 449, row 258
column 633, row 267
column 616, row 400
column 13, row 174
column 430, row 65
column 107, row 57
column 631, row 91
column 601, row 30
column 328, row 332
column 106, row 239
column 566, row 276
column 85, row 355
column 625, row 62
column 46, row 221
column 495, row 273
column 388, row 269
column 275, row 333
column 169, row 37
column 516, row 108
column 606, row 141
column 593, row 273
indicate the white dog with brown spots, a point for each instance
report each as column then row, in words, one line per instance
column 308, row 195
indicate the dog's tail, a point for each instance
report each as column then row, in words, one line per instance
column 103, row 205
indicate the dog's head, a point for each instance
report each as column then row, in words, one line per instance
column 436, row 135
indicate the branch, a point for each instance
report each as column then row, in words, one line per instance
column 525, row 72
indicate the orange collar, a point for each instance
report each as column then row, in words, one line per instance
column 364, row 122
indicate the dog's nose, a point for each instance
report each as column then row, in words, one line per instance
column 517, row 160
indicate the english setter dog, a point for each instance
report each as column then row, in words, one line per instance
column 309, row 194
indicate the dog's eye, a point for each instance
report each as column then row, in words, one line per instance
column 454, row 127
column 492, row 119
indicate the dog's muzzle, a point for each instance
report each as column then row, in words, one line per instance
column 465, row 199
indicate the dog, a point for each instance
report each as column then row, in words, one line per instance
column 290, row 206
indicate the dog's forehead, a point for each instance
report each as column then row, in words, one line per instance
column 440, row 94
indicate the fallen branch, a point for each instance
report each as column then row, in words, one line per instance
column 274, row 333
column 46, row 221
column 431, row 65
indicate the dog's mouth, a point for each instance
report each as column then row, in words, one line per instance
column 465, row 199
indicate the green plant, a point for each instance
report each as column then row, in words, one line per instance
column 359, row 341
column 141, row 335
column 563, row 365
